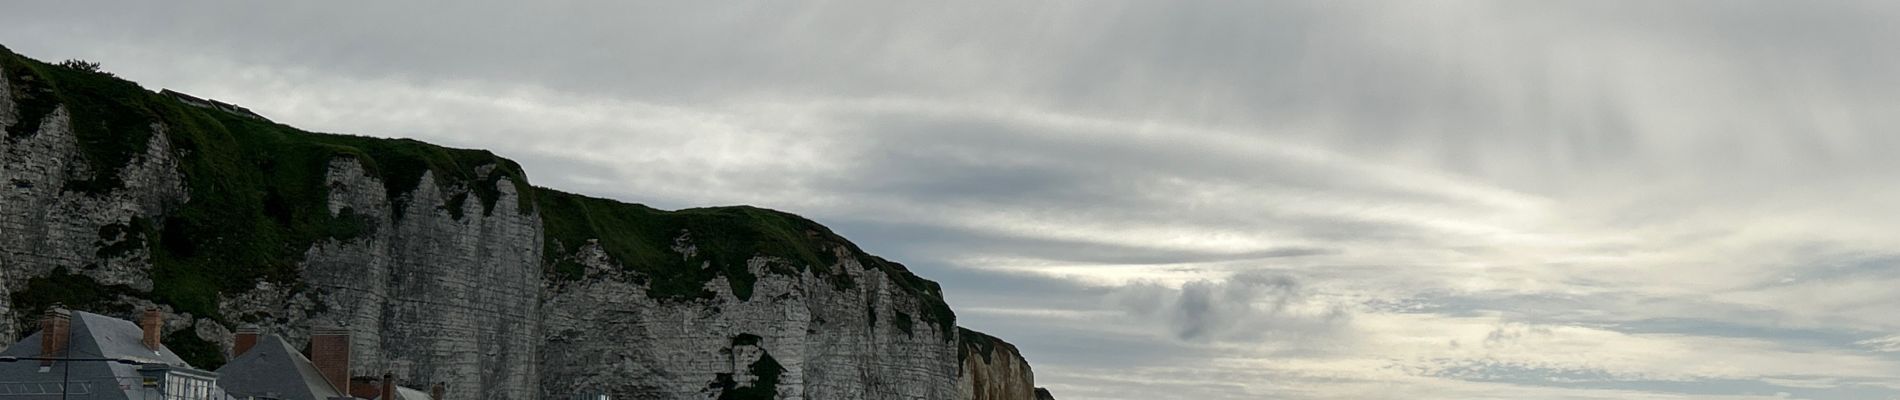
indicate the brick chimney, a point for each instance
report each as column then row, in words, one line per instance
column 245, row 340
column 153, row 322
column 364, row 387
column 389, row 387
column 440, row 390
column 330, row 351
column 54, row 332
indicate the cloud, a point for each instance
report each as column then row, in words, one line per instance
column 1692, row 192
column 1889, row 344
column 1244, row 307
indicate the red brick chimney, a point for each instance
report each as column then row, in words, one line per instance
column 153, row 322
column 364, row 387
column 54, row 332
column 246, row 339
column 330, row 351
column 389, row 387
column 440, row 390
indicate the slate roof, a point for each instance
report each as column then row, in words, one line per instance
column 405, row 393
column 273, row 369
column 93, row 336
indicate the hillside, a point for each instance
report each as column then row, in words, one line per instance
column 446, row 264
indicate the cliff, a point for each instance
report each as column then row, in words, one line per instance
column 791, row 308
column 445, row 264
column 992, row 369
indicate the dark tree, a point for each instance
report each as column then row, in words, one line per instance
column 83, row 65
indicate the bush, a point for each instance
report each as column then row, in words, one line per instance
column 83, row 66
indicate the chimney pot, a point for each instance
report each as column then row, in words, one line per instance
column 245, row 340
column 389, row 387
column 153, row 322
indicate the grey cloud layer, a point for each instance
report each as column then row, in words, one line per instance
column 1303, row 200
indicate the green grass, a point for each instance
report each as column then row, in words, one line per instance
column 196, row 351
column 973, row 342
column 72, row 290
column 641, row 238
column 110, row 116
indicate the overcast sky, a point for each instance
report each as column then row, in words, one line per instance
column 1401, row 199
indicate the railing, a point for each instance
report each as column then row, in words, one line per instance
column 45, row 388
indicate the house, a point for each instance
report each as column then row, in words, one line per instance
column 79, row 355
column 196, row 101
column 267, row 367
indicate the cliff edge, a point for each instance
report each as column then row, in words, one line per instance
column 445, row 264
column 992, row 369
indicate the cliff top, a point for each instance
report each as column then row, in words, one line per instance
column 246, row 177
column 980, row 344
column 258, row 199
column 643, row 239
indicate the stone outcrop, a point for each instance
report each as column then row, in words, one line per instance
column 606, row 335
column 428, row 297
column 992, row 369
column 443, row 264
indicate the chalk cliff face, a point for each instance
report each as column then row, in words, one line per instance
column 799, row 336
column 444, row 264
column 992, row 369
column 428, row 296
column 433, row 294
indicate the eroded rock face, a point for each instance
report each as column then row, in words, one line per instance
column 992, row 369
column 438, row 286
column 48, row 228
column 426, row 296
column 604, row 334
column 51, row 228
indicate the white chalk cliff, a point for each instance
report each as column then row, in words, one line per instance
column 444, row 264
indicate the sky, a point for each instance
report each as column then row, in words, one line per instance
column 1190, row 200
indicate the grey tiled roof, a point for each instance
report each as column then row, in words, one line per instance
column 273, row 369
column 93, row 336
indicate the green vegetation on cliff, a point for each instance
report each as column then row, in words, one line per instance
column 722, row 241
column 257, row 189
column 977, row 343
column 258, row 201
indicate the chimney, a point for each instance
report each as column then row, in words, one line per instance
column 246, row 339
column 54, row 332
column 330, row 351
column 363, row 387
column 153, row 322
column 389, row 387
column 438, row 391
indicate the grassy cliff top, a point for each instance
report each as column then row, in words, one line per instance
column 979, row 344
column 258, row 196
column 723, row 239
column 258, row 200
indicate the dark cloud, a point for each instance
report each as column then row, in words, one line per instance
column 1245, row 307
